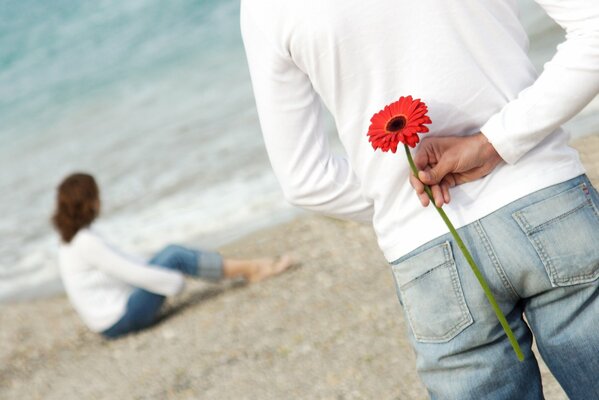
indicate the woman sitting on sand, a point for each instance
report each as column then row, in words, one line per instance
column 116, row 294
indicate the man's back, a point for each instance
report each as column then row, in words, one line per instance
column 530, row 223
column 466, row 60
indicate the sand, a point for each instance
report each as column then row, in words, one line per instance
column 329, row 329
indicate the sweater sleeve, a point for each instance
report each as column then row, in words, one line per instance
column 290, row 113
column 568, row 83
column 108, row 259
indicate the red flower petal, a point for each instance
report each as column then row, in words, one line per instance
column 414, row 112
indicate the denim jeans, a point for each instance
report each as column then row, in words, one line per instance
column 143, row 306
column 540, row 256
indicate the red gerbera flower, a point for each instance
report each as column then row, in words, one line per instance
column 398, row 122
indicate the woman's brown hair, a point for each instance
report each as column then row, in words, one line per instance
column 77, row 201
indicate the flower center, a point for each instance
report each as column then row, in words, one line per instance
column 396, row 124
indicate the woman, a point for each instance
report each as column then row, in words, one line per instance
column 116, row 294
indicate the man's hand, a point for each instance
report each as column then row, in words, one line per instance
column 445, row 162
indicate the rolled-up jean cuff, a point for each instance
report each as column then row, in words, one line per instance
column 210, row 266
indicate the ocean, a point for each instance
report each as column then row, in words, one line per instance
column 155, row 100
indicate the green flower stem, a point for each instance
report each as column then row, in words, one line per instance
column 477, row 273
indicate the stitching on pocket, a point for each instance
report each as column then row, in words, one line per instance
column 531, row 228
column 556, row 219
column 411, row 283
column 464, row 320
column 540, row 247
column 462, row 315
column 455, row 280
column 535, row 235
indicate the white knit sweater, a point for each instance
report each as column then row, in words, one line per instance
column 99, row 279
column 466, row 59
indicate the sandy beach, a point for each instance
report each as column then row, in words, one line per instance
column 329, row 329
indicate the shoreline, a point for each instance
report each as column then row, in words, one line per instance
column 329, row 328
column 587, row 145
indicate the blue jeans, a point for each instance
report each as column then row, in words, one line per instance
column 540, row 256
column 143, row 306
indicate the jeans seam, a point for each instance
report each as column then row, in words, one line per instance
column 589, row 198
column 495, row 260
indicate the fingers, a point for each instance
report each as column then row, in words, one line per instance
column 438, row 195
column 440, row 192
column 435, row 174
column 425, row 153
column 419, row 188
column 421, row 156
column 445, row 191
column 445, row 162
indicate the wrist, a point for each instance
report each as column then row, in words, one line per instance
column 488, row 152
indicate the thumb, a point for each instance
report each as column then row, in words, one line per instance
column 424, row 153
column 436, row 174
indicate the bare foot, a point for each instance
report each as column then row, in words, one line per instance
column 268, row 267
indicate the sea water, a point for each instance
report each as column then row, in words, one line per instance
column 155, row 100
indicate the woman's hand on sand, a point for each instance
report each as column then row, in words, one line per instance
column 447, row 161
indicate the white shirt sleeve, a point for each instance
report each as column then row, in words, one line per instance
column 568, row 83
column 290, row 113
column 106, row 258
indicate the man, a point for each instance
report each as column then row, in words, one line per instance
column 519, row 194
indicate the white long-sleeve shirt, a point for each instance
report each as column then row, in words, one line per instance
column 466, row 59
column 99, row 279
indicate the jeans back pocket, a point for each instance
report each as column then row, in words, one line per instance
column 564, row 230
column 431, row 294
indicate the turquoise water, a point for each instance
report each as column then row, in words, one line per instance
column 154, row 99
column 54, row 54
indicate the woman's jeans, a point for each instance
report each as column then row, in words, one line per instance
column 540, row 256
column 143, row 306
